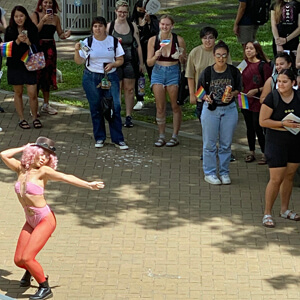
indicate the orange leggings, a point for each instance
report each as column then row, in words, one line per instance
column 30, row 243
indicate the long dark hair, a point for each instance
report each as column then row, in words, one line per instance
column 28, row 24
column 259, row 51
column 135, row 14
column 55, row 6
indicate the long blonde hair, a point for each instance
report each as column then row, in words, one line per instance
column 278, row 10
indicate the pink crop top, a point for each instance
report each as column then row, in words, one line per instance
column 31, row 188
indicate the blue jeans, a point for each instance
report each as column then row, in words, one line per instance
column 218, row 125
column 94, row 95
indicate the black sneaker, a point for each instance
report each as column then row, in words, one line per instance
column 232, row 158
column 1, row 109
column 128, row 122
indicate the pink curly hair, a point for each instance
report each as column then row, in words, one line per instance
column 29, row 154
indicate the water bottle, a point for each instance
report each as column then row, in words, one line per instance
column 141, row 85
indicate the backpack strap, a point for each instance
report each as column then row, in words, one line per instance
column 276, row 96
column 207, row 77
column 90, row 41
column 111, row 27
column 261, row 69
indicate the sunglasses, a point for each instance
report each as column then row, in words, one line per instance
column 221, row 55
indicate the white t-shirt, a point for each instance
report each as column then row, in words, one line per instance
column 102, row 52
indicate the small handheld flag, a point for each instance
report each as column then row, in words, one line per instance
column 6, row 49
column 25, row 57
column 200, row 93
column 243, row 101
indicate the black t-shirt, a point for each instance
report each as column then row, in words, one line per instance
column 289, row 18
column 219, row 81
column 283, row 109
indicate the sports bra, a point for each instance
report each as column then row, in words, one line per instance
column 31, row 188
column 173, row 50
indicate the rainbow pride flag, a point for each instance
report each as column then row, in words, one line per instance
column 200, row 93
column 243, row 101
column 6, row 49
column 25, row 57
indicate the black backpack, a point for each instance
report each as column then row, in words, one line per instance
column 259, row 11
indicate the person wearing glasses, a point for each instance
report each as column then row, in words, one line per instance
column 219, row 115
column 128, row 35
column 36, row 167
column 200, row 58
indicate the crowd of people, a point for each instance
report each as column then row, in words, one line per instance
column 115, row 55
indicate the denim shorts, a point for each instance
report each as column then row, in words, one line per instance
column 165, row 75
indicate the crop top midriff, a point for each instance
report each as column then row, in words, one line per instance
column 31, row 188
column 167, row 58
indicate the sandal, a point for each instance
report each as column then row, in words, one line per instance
column 160, row 142
column 250, row 158
column 37, row 124
column 290, row 215
column 172, row 142
column 268, row 219
column 262, row 161
column 24, row 124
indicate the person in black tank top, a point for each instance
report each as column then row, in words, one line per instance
column 46, row 19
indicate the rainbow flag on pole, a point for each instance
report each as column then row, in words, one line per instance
column 6, row 49
column 200, row 93
column 243, row 101
column 25, row 57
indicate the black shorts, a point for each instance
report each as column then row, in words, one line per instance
column 20, row 76
column 281, row 148
column 126, row 71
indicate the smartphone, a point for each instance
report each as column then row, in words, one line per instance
column 49, row 11
column 24, row 32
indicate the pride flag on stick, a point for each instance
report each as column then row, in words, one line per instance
column 25, row 57
column 243, row 101
column 200, row 93
column 6, row 49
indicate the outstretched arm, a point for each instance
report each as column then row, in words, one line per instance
column 71, row 179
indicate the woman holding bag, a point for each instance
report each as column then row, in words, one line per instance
column 23, row 33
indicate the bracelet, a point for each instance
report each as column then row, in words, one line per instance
column 282, row 123
column 286, row 40
column 258, row 90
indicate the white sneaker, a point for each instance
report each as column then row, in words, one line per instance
column 225, row 179
column 46, row 108
column 212, row 179
column 122, row 146
column 99, row 144
column 139, row 105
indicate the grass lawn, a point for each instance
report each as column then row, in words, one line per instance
column 188, row 22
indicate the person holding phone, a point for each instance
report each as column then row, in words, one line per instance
column 46, row 19
column 23, row 33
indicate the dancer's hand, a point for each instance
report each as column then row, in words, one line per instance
column 96, row 185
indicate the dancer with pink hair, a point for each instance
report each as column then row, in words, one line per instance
column 37, row 165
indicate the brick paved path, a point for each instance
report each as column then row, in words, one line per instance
column 157, row 231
